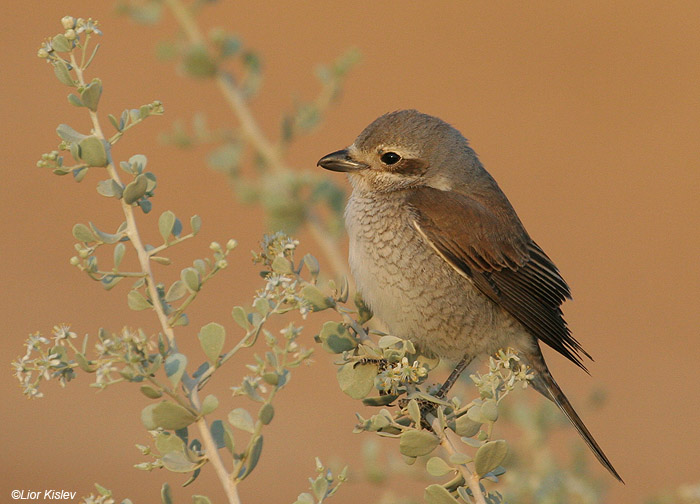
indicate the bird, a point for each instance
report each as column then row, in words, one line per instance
column 442, row 259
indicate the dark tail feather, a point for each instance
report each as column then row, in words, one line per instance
column 544, row 383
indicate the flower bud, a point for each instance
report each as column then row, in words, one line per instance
column 231, row 244
column 70, row 34
column 42, row 53
column 68, row 22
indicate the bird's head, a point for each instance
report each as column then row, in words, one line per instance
column 407, row 149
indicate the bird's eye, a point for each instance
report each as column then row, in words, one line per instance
column 390, row 158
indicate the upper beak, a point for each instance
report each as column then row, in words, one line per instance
column 341, row 161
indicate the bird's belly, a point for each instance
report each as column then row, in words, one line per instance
column 419, row 296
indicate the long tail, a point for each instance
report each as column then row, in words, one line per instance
column 545, row 384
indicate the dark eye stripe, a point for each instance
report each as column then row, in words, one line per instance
column 411, row 167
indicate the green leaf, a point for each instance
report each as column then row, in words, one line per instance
column 137, row 301
column 209, row 404
column 252, row 457
column 175, row 367
column 266, row 413
column 437, row 494
column 61, row 43
column 137, row 163
column 335, row 338
column 166, row 221
column 284, row 266
column 135, row 190
column 62, row 73
column 312, row 265
column 240, row 317
column 178, row 462
column 192, row 279
column 166, row 415
column 198, row 63
column 83, row 233
column 414, row 443
column 319, row 486
column 465, row 426
column 388, row 341
column 176, row 291
column 200, row 499
column 382, row 400
column 167, row 442
column 165, row 494
column 438, row 467
column 217, row 433
column 109, row 188
column 474, row 414
column 414, row 411
column 151, row 392
column 316, row 299
column 114, row 122
column 91, row 94
column 363, row 311
column 105, row 237
column 490, row 456
column 262, row 306
column 356, row 379
column 212, row 337
column 195, row 224
column 93, row 151
column 489, row 410
column 84, row 364
column 75, row 101
column 241, row 419
column 68, row 134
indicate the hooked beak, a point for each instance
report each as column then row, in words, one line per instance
column 341, row 161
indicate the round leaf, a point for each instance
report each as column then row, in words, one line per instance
column 83, row 233
column 356, row 380
column 166, row 415
column 209, row 404
column 315, row 298
column 212, row 337
column 437, row 494
column 92, row 151
column 137, row 301
column 335, row 338
column 135, row 190
column 241, row 419
column 266, row 413
column 166, row 221
column 414, row 443
column 438, row 467
column 175, row 367
column 490, row 456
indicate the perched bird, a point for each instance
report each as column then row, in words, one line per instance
column 441, row 257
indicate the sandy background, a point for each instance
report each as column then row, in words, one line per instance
column 587, row 114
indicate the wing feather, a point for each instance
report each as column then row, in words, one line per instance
column 489, row 245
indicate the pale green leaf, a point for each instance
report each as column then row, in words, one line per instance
column 414, row 443
column 356, row 379
column 490, row 456
column 212, row 337
column 241, row 419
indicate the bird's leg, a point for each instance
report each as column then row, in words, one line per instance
column 429, row 407
column 458, row 370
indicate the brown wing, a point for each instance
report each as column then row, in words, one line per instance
column 490, row 246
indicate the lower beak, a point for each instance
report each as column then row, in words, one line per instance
column 341, row 161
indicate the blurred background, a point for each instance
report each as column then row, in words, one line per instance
column 587, row 114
